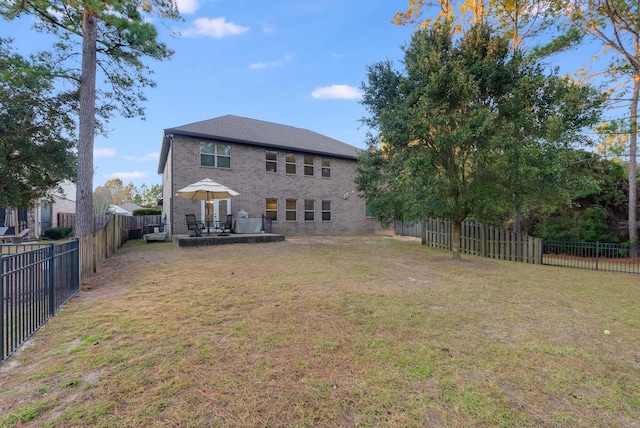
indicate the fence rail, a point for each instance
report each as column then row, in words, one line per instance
column 476, row 239
column 36, row 281
column 592, row 255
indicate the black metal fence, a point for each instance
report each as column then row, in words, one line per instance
column 36, row 281
column 592, row 255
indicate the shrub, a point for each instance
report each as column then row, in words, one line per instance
column 147, row 211
column 589, row 225
column 57, row 232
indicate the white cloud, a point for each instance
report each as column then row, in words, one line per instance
column 337, row 92
column 214, row 27
column 128, row 175
column 104, row 153
column 188, row 6
column 148, row 157
column 271, row 64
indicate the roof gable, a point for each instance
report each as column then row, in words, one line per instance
column 243, row 130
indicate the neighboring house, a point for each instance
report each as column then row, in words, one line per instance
column 127, row 208
column 117, row 209
column 300, row 179
column 44, row 213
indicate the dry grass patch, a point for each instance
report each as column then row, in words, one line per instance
column 331, row 331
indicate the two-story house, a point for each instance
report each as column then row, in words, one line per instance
column 303, row 181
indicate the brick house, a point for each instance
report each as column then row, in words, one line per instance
column 44, row 213
column 300, row 179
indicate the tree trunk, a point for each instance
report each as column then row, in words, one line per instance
column 633, row 146
column 455, row 244
column 517, row 223
column 86, row 135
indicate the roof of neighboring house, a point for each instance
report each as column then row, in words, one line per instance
column 126, row 208
column 117, row 209
column 242, row 130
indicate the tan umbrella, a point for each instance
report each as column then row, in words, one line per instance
column 206, row 190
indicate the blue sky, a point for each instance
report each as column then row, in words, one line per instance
column 294, row 62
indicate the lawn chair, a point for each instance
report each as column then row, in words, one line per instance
column 194, row 225
column 226, row 227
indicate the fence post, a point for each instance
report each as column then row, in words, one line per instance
column 77, row 264
column 52, row 267
column 597, row 253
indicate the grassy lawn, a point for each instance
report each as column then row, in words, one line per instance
column 331, row 331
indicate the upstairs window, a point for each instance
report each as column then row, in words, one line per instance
column 290, row 207
column 216, row 155
column 326, row 210
column 308, row 165
column 271, row 161
column 290, row 163
column 271, row 211
column 309, row 210
column 326, row 167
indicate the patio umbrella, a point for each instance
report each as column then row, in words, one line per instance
column 206, row 190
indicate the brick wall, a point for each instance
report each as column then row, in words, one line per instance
column 248, row 177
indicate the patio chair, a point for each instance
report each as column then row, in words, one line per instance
column 226, row 227
column 194, row 225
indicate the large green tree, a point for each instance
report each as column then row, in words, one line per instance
column 38, row 130
column 516, row 19
column 470, row 129
column 616, row 25
column 115, row 37
column 147, row 196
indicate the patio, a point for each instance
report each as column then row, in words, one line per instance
column 232, row 238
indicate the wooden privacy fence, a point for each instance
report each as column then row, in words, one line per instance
column 476, row 239
column 125, row 222
column 106, row 239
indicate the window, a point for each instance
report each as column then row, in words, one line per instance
column 272, row 161
column 290, row 163
column 326, row 167
column 367, row 210
column 309, row 210
column 308, row 165
column 216, row 155
column 290, row 208
column 272, row 209
column 326, row 210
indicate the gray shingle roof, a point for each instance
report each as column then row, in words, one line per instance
column 243, row 130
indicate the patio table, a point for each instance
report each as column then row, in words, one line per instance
column 212, row 226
